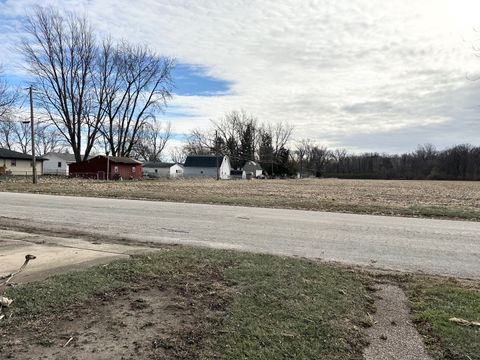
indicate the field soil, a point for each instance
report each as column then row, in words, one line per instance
column 440, row 199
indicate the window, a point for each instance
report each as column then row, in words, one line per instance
column 133, row 169
column 115, row 169
column 201, row 172
column 13, row 162
column 59, row 164
column 178, row 171
column 156, row 170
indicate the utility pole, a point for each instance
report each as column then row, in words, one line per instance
column 253, row 143
column 32, row 128
column 216, row 154
column 108, row 164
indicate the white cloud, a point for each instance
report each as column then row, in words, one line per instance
column 340, row 71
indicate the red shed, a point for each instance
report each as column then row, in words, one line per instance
column 116, row 167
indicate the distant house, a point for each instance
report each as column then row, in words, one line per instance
column 252, row 169
column 99, row 166
column 155, row 169
column 206, row 166
column 17, row 163
column 57, row 163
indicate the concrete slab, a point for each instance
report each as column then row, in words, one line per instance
column 56, row 254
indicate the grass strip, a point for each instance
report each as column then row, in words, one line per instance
column 433, row 303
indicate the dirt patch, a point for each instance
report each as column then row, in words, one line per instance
column 393, row 336
column 148, row 322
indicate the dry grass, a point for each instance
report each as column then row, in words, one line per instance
column 447, row 199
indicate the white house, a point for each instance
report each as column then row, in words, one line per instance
column 155, row 169
column 206, row 166
column 57, row 163
column 16, row 163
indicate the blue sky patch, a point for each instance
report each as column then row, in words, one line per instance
column 192, row 80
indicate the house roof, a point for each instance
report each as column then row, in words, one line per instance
column 251, row 166
column 63, row 156
column 203, row 161
column 10, row 154
column 122, row 160
column 158, row 164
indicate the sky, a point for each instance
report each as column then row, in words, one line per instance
column 366, row 75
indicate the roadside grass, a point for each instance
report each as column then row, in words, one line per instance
column 267, row 307
column 433, row 302
column 433, row 199
column 443, row 212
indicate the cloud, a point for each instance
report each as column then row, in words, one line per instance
column 345, row 73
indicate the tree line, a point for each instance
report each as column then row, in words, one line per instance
column 459, row 162
column 243, row 138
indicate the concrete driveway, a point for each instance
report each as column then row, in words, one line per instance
column 56, row 254
column 421, row 245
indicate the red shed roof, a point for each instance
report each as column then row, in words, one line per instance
column 121, row 160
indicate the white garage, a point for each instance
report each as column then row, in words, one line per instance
column 154, row 169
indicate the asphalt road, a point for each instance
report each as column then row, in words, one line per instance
column 421, row 245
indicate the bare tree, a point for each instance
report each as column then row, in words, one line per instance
column 14, row 133
column 339, row 156
column 236, row 134
column 59, row 52
column 200, row 143
column 48, row 139
column 7, row 97
column 318, row 158
column 138, row 86
column 7, row 134
column 302, row 149
column 281, row 134
column 152, row 140
column 312, row 158
column 276, row 138
column 178, row 155
column 23, row 137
